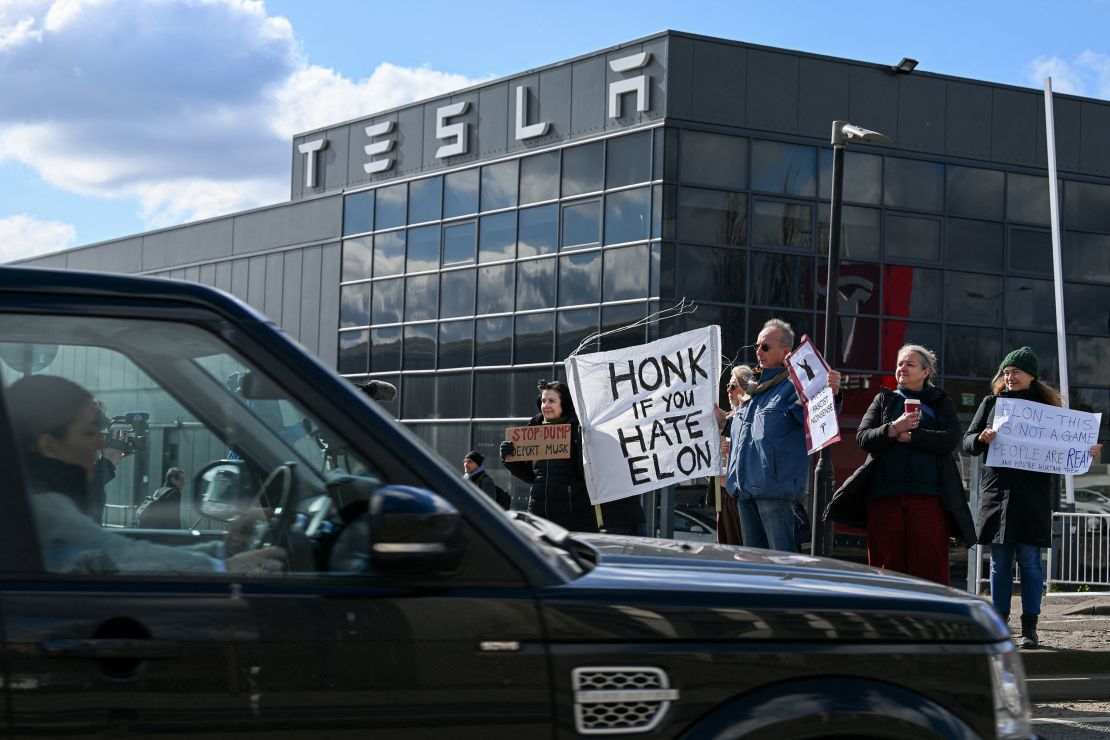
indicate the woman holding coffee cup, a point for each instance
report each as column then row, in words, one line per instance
column 908, row 494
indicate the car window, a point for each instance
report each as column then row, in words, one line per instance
column 156, row 447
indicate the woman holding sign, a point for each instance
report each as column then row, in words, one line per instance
column 1015, row 506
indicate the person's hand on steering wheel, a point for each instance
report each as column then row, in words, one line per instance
column 245, row 532
column 268, row 561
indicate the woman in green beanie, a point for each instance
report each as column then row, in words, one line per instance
column 1015, row 506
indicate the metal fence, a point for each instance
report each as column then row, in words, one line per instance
column 1080, row 552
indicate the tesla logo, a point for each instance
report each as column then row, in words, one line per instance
column 637, row 85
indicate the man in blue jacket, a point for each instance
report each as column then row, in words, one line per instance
column 768, row 464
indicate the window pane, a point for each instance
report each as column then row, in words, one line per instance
column 975, row 245
column 789, row 169
column 898, row 333
column 975, row 192
column 490, row 388
column 456, row 294
column 458, row 243
column 782, row 224
column 628, row 160
column 418, row 397
column 571, row 328
column 493, row 346
column 970, row 351
column 859, row 343
column 387, row 300
column 616, row 317
column 782, row 280
column 1087, row 257
column 539, row 177
column 495, row 288
column 353, row 348
column 1027, row 199
column 386, row 349
column 497, row 237
column 539, row 231
column 425, row 197
column 734, row 332
column 535, row 337
column 973, row 298
column 1044, row 346
column 859, row 232
column 711, row 274
column 858, row 283
column 456, row 344
column 582, row 223
column 714, row 159
column 460, row 193
column 657, row 212
column 913, row 184
column 356, row 258
column 1030, row 304
column 499, row 185
column 1095, row 401
column 912, row 238
column 389, row 253
column 1088, row 358
column 421, row 297
column 1086, row 309
column 626, row 215
column 582, row 168
column 420, row 347
column 535, row 284
column 453, row 397
column 392, row 206
column 1031, row 251
column 863, row 176
column 712, row 216
column 911, row 292
column 626, row 273
column 423, row 248
column 358, row 212
column 1086, row 206
column 354, row 305
column 580, row 278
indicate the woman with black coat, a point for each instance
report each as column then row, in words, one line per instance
column 558, row 487
column 1015, row 506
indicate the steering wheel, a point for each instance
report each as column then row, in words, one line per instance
column 277, row 527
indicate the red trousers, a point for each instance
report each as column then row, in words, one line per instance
column 908, row 533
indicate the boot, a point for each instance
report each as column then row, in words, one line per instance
column 1029, row 639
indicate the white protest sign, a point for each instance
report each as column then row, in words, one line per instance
column 1042, row 438
column 808, row 370
column 822, row 427
column 647, row 413
column 810, row 375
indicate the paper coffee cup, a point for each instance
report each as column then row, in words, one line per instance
column 912, row 405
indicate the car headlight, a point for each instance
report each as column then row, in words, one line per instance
column 1011, row 702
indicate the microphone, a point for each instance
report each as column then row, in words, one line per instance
column 379, row 390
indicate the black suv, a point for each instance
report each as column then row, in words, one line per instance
column 405, row 603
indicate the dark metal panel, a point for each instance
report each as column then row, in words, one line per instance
column 968, row 129
column 680, row 77
column 411, row 143
column 588, row 103
column 223, row 276
column 256, row 282
column 331, row 162
column 772, row 90
column 433, row 144
column 874, row 100
column 1014, row 123
column 290, row 317
column 657, row 71
column 1094, row 147
column 493, row 119
column 428, row 153
column 296, row 170
column 554, row 103
column 823, row 89
column 287, row 224
column 125, row 255
column 193, row 243
column 357, row 156
column 921, row 113
column 239, row 270
column 311, row 292
column 275, row 281
column 654, row 70
column 330, row 263
column 720, row 83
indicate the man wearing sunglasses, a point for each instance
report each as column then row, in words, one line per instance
column 768, row 463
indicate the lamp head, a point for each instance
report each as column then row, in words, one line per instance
column 843, row 132
column 905, row 66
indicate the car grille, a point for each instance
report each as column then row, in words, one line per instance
column 620, row 699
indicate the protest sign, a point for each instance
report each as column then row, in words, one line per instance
column 808, row 370
column 647, row 413
column 1042, row 438
column 539, row 442
column 822, row 427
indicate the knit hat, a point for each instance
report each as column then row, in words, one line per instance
column 1022, row 358
column 476, row 457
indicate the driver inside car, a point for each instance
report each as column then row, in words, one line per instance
column 57, row 429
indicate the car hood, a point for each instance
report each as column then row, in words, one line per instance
column 695, row 591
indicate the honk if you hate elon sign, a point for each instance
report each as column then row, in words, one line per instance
column 647, row 413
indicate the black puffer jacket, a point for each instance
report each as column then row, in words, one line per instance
column 1015, row 506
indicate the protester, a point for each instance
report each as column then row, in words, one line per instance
column 909, row 493
column 475, row 471
column 768, row 463
column 1015, row 506
column 558, row 487
column 728, row 518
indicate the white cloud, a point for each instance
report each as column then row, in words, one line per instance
column 187, row 106
column 1087, row 74
column 1099, row 65
column 22, row 236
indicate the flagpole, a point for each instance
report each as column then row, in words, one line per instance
column 1057, row 267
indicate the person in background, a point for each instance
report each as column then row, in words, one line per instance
column 909, row 493
column 1014, row 516
column 558, row 487
column 728, row 518
column 475, row 472
column 162, row 509
column 768, row 464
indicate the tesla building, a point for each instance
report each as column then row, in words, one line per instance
column 462, row 247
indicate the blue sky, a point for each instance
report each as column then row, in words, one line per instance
column 121, row 116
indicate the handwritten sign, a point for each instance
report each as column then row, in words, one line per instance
column 808, row 370
column 647, row 413
column 1042, row 438
column 539, row 442
column 822, row 427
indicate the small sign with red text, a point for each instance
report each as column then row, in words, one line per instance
column 539, row 442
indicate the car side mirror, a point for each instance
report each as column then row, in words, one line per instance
column 413, row 531
column 219, row 489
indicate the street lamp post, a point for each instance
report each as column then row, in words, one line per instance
column 823, row 482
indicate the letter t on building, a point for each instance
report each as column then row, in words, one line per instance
column 309, row 149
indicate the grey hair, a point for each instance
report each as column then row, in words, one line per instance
column 928, row 359
column 742, row 373
column 785, row 330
